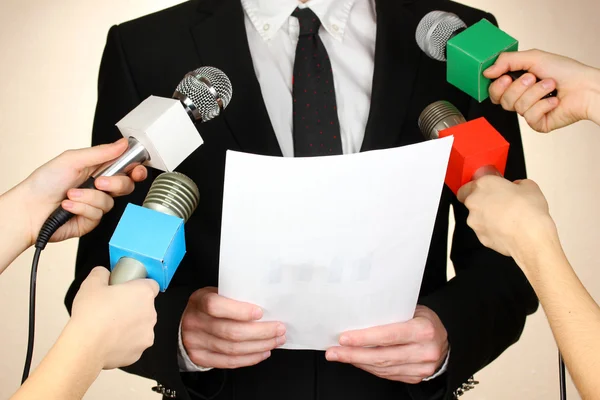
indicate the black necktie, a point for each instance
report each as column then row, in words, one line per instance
column 316, row 124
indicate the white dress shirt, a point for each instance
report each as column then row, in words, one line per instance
column 348, row 32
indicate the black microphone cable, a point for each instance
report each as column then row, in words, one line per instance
column 52, row 224
column 562, row 377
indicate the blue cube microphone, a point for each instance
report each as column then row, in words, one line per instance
column 149, row 241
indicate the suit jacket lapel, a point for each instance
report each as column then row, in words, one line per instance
column 222, row 42
column 397, row 59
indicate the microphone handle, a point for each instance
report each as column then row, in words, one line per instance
column 486, row 170
column 136, row 154
column 517, row 74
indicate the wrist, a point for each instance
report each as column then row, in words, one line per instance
column 15, row 217
column 86, row 343
column 594, row 102
column 538, row 240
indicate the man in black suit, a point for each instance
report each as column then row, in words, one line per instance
column 211, row 347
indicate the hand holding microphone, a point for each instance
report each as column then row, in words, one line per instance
column 29, row 203
column 510, row 218
column 467, row 51
column 578, row 98
column 45, row 189
column 117, row 320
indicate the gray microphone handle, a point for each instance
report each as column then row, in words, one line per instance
column 135, row 155
column 127, row 269
column 485, row 170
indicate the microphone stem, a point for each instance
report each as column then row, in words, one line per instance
column 127, row 269
column 135, row 155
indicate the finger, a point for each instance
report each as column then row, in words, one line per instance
column 533, row 95
column 386, row 335
column 536, row 116
column 98, row 276
column 498, row 88
column 149, row 286
column 240, row 331
column 516, row 90
column 382, row 357
column 204, row 341
column 92, row 156
column 221, row 307
column 412, row 371
column 512, row 61
column 93, row 198
column 465, row 191
column 139, row 173
column 222, row 361
column 115, row 185
column 83, row 210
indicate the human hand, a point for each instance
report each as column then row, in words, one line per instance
column 508, row 217
column 406, row 352
column 46, row 188
column 117, row 321
column 218, row 332
column 578, row 89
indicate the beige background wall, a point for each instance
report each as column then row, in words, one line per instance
column 49, row 57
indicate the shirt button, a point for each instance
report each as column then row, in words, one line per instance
column 266, row 27
column 335, row 27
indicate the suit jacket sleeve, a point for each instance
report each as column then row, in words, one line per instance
column 485, row 306
column 117, row 95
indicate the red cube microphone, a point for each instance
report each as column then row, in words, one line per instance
column 476, row 144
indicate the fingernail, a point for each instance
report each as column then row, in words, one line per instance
column 67, row 205
column 553, row 101
column 101, row 183
column 266, row 355
column 528, row 80
column 344, row 340
column 281, row 340
column 331, row 356
column 257, row 314
column 75, row 193
column 547, row 84
column 281, row 330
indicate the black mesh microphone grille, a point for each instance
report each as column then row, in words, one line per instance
column 218, row 80
column 434, row 32
column 209, row 89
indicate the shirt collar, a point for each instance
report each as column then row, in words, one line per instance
column 268, row 16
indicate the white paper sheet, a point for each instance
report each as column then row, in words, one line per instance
column 330, row 244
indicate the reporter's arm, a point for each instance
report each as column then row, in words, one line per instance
column 572, row 313
column 69, row 369
column 111, row 326
column 13, row 230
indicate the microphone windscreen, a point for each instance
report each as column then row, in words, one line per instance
column 471, row 52
column 435, row 30
column 476, row 144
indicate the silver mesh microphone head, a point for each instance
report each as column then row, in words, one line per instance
column 205, row 92
column 173, row 193
column 434, row 32
column 439, row 116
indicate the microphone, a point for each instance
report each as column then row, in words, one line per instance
column 477, row 147
column 149, row 241
column 443, row 36
column 160, row 131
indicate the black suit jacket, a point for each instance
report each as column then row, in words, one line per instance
column 483, row 309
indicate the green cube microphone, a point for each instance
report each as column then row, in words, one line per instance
column 468, row 51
